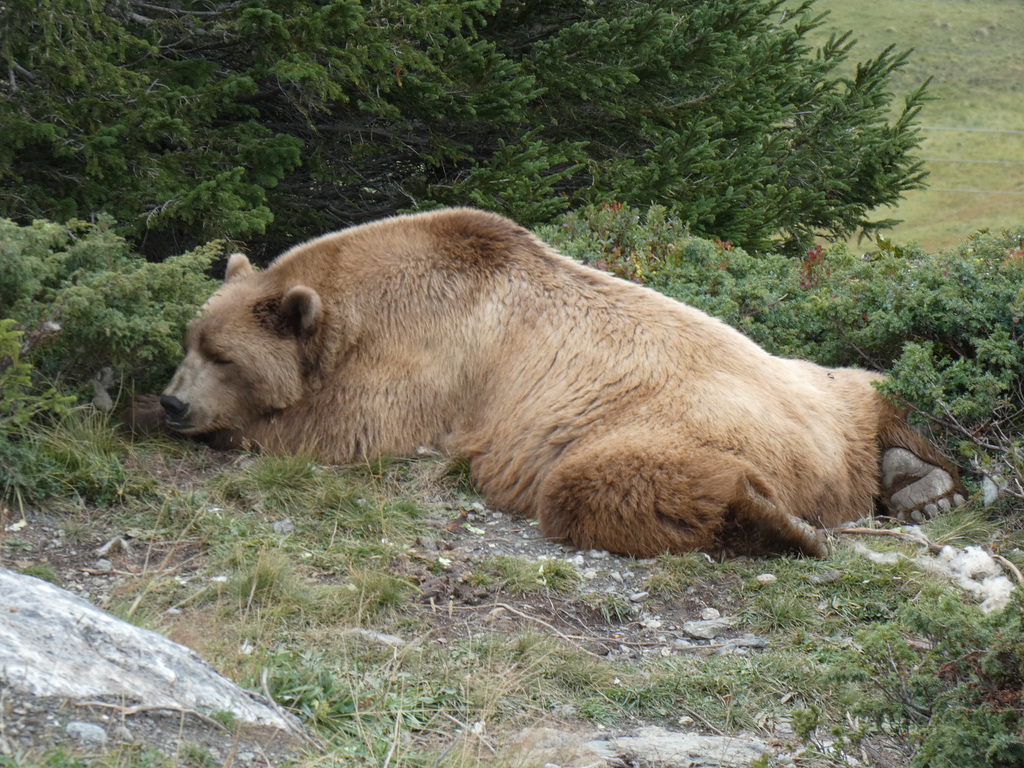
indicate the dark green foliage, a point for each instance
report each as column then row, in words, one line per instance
column 73, row 300
column 22, row 466
column 274, row 121
column 961, row 697
column 86, row 301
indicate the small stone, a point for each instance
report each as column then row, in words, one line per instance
column 598, row 554
column 122, row 735
column 103, row 564
column 710, row 614
column 116, row 544
column 707, row 630
column 476, row 505
column 284, row 527
column 590, row 574
column 87, row 732
column 767, row 578
column 578, row 561
column 828, row 577
column 637, row 597
column 616, row 577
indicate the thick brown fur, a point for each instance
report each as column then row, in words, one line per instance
column 620, row 418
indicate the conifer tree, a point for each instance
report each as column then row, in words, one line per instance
column 274, row 120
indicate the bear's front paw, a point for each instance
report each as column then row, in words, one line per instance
column 916, row 490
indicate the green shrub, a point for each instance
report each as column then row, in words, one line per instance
column 88, row 302
column 21, row 468
column 958, row 692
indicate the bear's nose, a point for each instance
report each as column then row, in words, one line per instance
column 175, row 409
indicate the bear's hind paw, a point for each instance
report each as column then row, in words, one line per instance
column 915, row 490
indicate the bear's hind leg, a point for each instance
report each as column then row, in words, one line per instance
column 643, row 504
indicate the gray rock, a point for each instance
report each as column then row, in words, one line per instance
column 707, row 630
column 660, row 746
column 55, row 644
column 733, row 644
column 86, row 732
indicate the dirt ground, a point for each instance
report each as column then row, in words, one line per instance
column 100, row 560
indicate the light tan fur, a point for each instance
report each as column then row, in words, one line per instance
column 620, row 418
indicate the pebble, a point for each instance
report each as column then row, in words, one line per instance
column 636, row 597
column 103, row 564
column 710, row 614
column 707, row 630
column 767, row 578
column 87, row 732
column 284, row 527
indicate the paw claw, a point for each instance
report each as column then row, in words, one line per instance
column 959, row 501
column 918, row 516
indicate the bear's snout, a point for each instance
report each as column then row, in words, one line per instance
column 174, row 408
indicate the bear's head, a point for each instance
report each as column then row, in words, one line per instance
column 248, row 353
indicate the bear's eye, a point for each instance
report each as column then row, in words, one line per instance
column 219, row 360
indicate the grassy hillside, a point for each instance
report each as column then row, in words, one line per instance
column 974, row 128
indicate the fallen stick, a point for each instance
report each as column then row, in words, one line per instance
column 932, row 547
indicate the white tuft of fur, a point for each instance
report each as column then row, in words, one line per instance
column 971, row 568
column 881, row 558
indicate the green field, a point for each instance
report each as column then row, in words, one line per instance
column 973, row 129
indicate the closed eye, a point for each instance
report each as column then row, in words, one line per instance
column 219, row 360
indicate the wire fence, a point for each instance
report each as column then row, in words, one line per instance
column 1012, row 180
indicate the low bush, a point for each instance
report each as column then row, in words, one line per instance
column 74, row 300
column 86, row 301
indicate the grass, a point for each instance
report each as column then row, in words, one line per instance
column 973, row 129
column 310, row 602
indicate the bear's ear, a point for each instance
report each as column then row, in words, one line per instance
column 301, row 309
column 238, row 268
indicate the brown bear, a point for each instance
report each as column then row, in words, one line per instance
column 621, row 419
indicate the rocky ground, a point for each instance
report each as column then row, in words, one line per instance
column 606, row 609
